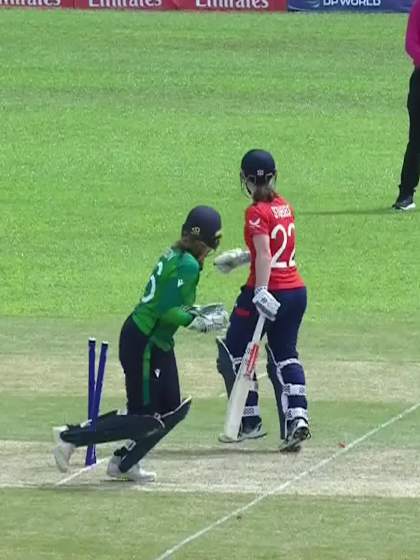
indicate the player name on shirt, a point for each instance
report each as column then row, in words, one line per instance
column 281, row 211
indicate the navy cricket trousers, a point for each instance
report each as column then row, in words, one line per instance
column 151, row 374
column 282, row 333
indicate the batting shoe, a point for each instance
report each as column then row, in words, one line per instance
column 254, row 433
column 404, row 202
column 135, row 474
column 299, row 432
column 63, row 450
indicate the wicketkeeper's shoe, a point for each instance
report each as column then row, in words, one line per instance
column 254, row 433
column 404, row 202
column 135, row 474
column 63, row 450
column 299, row 432
column 56, row 431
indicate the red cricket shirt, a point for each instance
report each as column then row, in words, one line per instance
column 275, row 219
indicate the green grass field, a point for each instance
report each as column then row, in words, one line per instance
column 113, row 126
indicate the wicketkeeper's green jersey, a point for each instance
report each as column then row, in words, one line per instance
column 169, row 293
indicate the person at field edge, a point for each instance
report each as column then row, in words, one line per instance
column 274, row 289
column 410, row 171
column 146, row 353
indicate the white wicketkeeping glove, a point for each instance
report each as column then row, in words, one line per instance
column 229, row 260
column 207, row 309
column 209, row 318
column 266, row 304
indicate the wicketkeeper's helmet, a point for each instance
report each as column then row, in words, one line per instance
column 204, row 224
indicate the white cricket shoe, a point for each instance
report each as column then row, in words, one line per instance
column 255, row 433
column 56, row 431
column 135, row 474
column 299, row 432
column 63, row 450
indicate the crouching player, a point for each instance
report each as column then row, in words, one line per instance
column 146, row 353
column 274, row 289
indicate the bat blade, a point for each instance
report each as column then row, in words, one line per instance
column 243, row 384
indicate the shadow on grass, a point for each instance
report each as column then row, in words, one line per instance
column 354, row 212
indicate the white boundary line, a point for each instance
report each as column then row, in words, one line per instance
column 167, row 554
column 79, row 472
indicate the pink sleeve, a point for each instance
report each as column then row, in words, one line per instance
column 412, row 37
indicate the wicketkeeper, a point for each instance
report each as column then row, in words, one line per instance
column 274, row 289
column 146, row 352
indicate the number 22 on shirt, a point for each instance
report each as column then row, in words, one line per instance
column 283, row 236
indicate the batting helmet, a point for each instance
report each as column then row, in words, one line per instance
column 258, row 167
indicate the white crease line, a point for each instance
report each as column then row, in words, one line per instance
column 79, row 472
column 224, row 392
column 167, row 554
column 18, row 485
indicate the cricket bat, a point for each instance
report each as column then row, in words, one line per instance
column 243, row 383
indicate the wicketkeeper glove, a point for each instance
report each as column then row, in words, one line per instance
column 266, row 304
column 229, row 260
column 208, row 318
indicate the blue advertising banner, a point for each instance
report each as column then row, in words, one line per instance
column 351, row 5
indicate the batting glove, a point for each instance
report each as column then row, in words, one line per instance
column 266, row 304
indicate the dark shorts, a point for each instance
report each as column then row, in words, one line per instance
column 151, row 374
